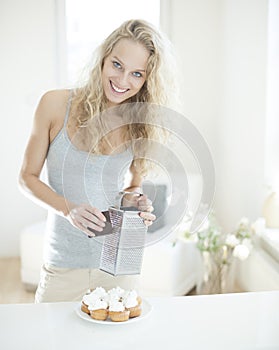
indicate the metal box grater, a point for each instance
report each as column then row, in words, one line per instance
column 122, row 250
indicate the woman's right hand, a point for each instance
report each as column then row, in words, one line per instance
column 85, row 217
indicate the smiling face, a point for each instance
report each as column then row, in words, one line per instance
column 124, row 71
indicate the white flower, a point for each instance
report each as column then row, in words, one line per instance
column 241, row 252
column 232, row 241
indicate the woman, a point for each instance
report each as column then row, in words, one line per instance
column 87, row 154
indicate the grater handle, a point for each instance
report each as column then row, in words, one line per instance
column 121, row 194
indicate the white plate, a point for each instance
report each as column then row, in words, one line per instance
column 146, row 308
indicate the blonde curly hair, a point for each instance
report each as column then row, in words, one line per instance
column 89, row 100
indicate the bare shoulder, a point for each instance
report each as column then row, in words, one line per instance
column 50, row 112
column 52, row 108
column 54, row 102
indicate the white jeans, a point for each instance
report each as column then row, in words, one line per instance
column 63, row 284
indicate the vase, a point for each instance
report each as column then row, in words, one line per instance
column 216, row 277
column 271, row 210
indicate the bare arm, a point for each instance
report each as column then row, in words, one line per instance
column 46, row 122
column 136, row 180
column 35, row 155
column 143, row 203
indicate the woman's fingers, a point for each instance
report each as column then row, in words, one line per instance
column 87, row 218
column 147, row 208
column 94, row 218
column 145, row 204
column 148, row 218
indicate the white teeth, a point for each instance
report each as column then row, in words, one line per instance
column 117, row 89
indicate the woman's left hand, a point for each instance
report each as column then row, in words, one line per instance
column 144, row 205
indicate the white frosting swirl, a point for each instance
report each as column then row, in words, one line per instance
column 100, row 291
column 130, row 299
column 116, row 292
column 116, row 306
column 116, row 299
column 98, row 304
column 89, row 298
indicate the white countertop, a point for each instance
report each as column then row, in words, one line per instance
column 228, row 321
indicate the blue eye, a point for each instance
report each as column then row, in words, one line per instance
column 116, row 64
column 137, row 74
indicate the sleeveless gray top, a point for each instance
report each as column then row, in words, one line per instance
column 81, row 178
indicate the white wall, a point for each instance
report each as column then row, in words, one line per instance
column 240, row 167
column 222, row 48
column 272, row 105
column 195, row 33
column 28, row 68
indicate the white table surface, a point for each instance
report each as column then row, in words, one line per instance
column 229, row 321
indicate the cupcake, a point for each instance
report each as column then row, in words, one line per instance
column 90, row 298
column 84, row 308
column 131, row 303
column 117, row 312
column 99, row 310
column 87, row 300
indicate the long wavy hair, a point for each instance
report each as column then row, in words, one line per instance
column 89, row 100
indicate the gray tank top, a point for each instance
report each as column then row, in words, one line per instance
column 81, row 178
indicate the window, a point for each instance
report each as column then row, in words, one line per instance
column 89, row 22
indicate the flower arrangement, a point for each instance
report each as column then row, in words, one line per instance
column 219, row 249
column 239, row 242
column 210, row 238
